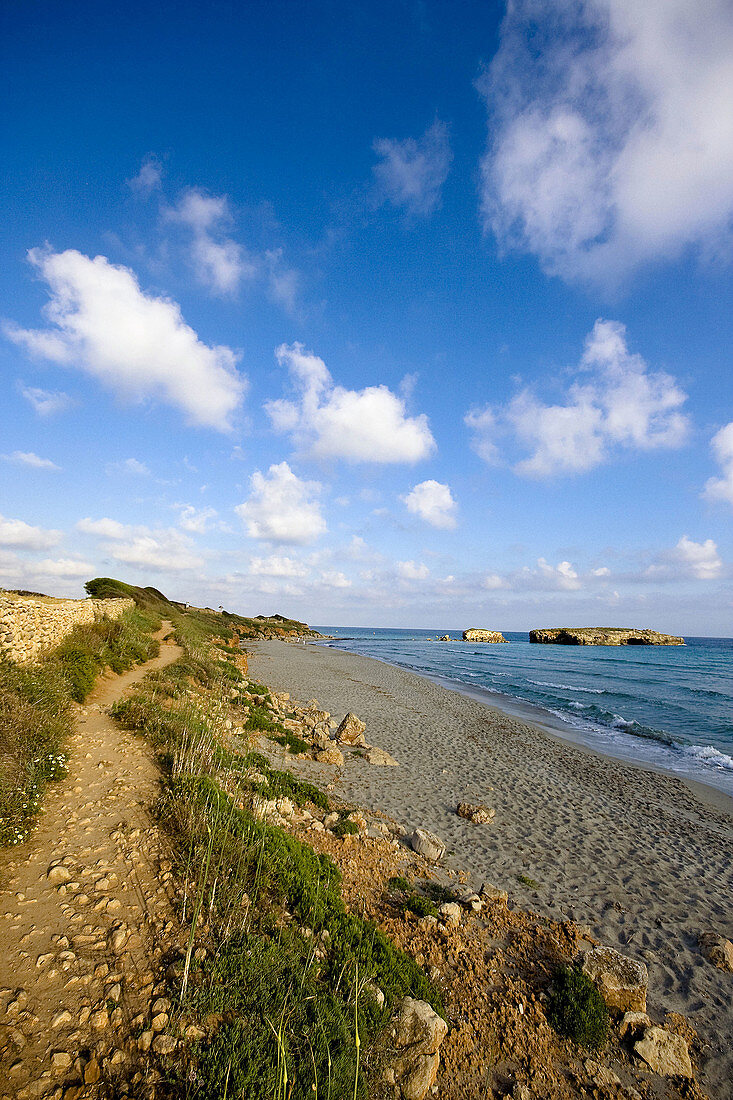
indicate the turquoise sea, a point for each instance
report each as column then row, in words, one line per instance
column 667, row 707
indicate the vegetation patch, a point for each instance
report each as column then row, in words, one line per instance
column 291, row 742
column 576, row 1009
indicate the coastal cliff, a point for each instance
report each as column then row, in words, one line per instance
column 474, row 634
column 602, row 635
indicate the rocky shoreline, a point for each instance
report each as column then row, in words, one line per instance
column 565, row 835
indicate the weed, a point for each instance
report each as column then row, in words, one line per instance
column 292, row 742
column 399, row 882
column 527, row 881
column 576, row 1009
column 344, row 827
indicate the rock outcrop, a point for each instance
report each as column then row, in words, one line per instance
column 602, row 635
column 717, row 950
column 475, row 634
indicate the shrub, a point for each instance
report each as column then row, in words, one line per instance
column 344, row 827
column 292, row 742
column 576, row 1009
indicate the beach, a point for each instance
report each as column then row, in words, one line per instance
column 639, row 857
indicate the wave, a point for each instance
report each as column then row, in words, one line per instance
column 709, row 755
column 568, row 687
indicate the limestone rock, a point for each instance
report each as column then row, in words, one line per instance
column 664, row 1052
column 717, row 950
column 59, row 875
column 450, row 911
column 474, row 634
column 164, row 1044
column 492, row 893
column 92, row 1072
column 602, row 635
column 621, row 981
column 330, row 755
column 380, row 758
column 427, row 844
column 60, row 1062
column 418, row 1033
column 351, row 731
column 634, row 1024
column 478, row 815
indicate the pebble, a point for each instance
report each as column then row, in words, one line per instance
column 61, row 1018
column 164, row 1044
column 60, row 1061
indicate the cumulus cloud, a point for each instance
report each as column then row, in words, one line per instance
column 15, row 532
column 412, row 570
column 277, row 565
column 105, row 528
column 28, row 458
column 62, row 567
column 700, row 559
column 611, row 132
column 721, row 488
column 132, row 466
column 333, row 578
column 220, row 262
column 166, row 550
column 621, row 405
column 139, row 346
column 433, row 503
column 369, row 425
column 46, row 402
column 196, row 520
column 410, row 174
column 282, row 508
column 148, row 178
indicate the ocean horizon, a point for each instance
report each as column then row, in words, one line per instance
column 665, row 707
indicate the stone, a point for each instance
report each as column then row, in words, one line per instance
column 59, row 875
column 478, row 815
column 99, row 1019
column 665, row 1053
column 418, row 1033
column 380, row 758
column 717, row 950
column 92, row 1072
column 194, row 1033
column 633, row 1025
column 164, row 1044
column 476, row 634
column 117, row 939
column 621, row 981
column 144, row 1041
column 159, row 1021
column 61, row 1018
column 351, row 731
column 489, row 892
column 427, row 844
column 330, row 756
column 450, row 911
column 60, row 1062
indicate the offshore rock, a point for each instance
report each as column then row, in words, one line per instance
column 474, row 634
column 602, row 635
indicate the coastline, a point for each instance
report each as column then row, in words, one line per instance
column 634, row 854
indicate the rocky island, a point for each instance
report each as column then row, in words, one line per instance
column 602, row 635
column 474, row 634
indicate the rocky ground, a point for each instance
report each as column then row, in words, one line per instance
column 83, row 904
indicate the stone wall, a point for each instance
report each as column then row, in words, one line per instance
column 30, row 627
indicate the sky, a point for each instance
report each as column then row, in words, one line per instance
column 400, row 313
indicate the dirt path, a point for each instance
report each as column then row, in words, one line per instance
column 81, row 905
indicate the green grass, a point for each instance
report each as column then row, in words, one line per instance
column 527, row 881
column 291, row 742
column 576, row 1009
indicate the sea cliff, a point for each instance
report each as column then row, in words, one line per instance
column 602, row 635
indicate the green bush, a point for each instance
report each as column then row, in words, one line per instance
column 291, row 742
column 576, row 1009
column 344, row 827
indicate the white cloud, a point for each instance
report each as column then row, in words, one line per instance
column 334, row 579
column 483, row 424
column 721, row 488
column 621, row 406
column 283, row 281
column 105, row 528
column 493, row 581
column 612, row 131
column 148, row 178
column 369, row 425
column 277, row 566
column 411, row 173
column 700, row 559
column 196, row 520
column 282, row 508
column 412, row 570
column 433, row 503
column 28, row 458
column 132, row 466
column 220, row 262
column 62, row 567
column 46, row 402
column 137, row 345
column 14, row 532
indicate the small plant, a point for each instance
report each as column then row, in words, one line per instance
column 421, row 906
column 344, row 827
column 527, row 881
column 291, row 742
column 576, row 1009
column 399, row 882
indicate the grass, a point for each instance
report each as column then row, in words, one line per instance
column 35, row 710
column 527, row 881
column 287, row 971
column 291, row 742
column 576, row 1009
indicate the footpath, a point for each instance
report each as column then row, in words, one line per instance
column 82, row 904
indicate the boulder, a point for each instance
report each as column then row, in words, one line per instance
column 479, row 815
column 417, row 1036
column 427, row 844
column 717, row 950
column 621, row 981
column 331, row 755
column 633, row 1025
column 492, row 893
column 664, row 1052
column 351, row 731
column 450, row 911
column 380, row 758
column 474, row 634
column 444, row 638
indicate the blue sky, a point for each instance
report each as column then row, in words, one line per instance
column 392, row 313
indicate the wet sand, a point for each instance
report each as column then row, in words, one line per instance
column 635, row 855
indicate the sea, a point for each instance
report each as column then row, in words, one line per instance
column 666, row 707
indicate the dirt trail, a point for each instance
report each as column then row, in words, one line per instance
column 81, row 905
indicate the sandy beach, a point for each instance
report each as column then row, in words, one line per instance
column 639, row 857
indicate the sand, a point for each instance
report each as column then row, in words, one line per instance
column 635, row 855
